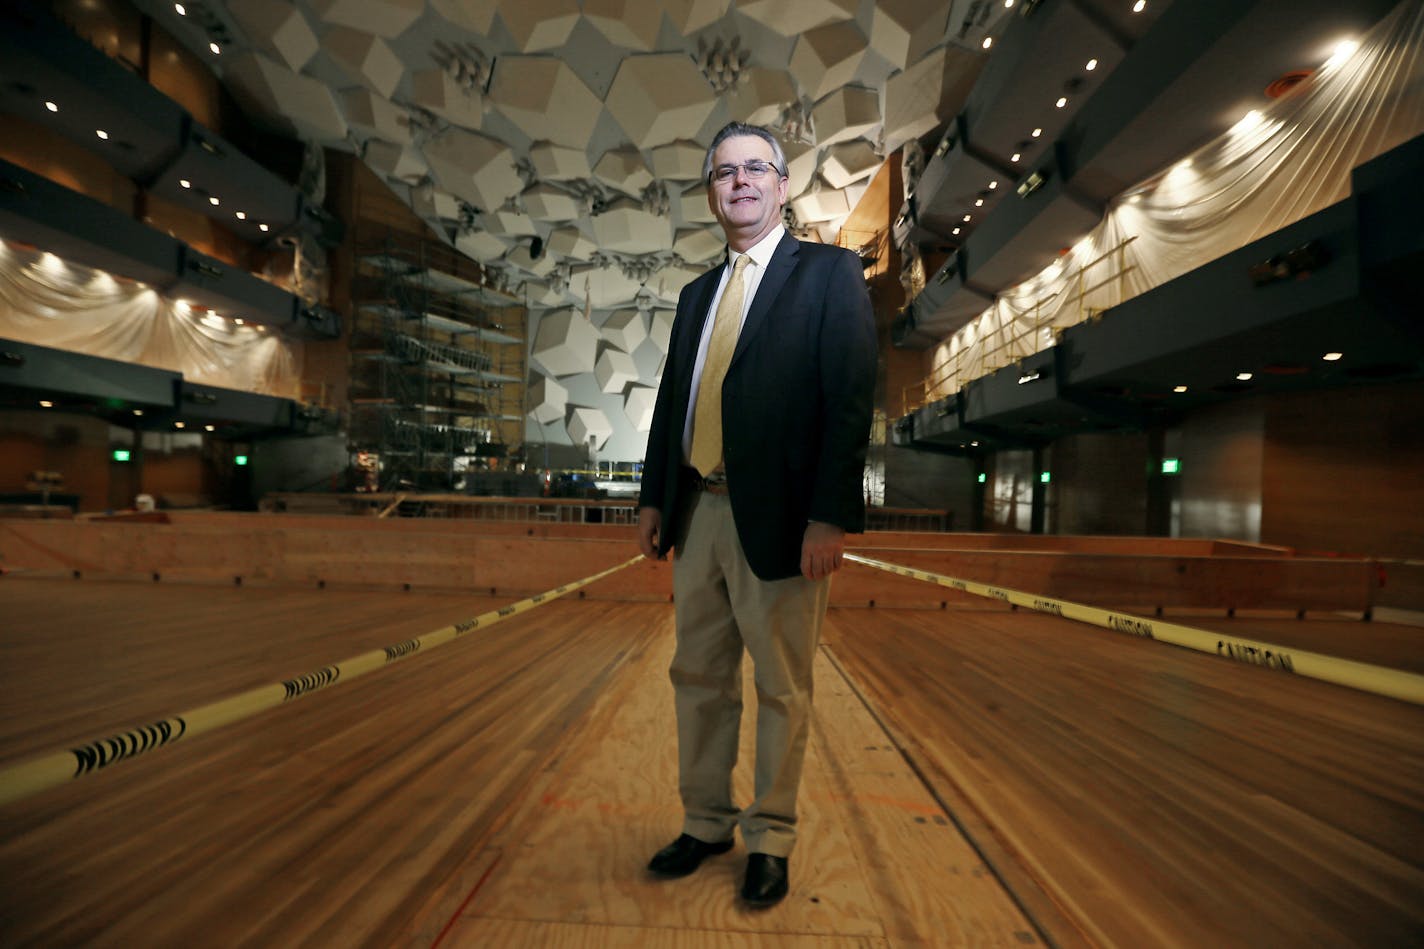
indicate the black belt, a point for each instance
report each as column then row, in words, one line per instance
column 714, row 483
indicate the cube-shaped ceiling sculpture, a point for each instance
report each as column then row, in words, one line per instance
column 820, row 206
column 604, row 287
column 538, row 25
column 477, row 16
column 660, row 328
column 548, row 401
column 396, row 161
column 565, row 342
column 570, row 242
column 659, row 98
column 388, row 18
column 481, row 245
column 475, row 167
column 762, row 96
column 523, row 258
column 430, row 202
column 559, row 163
column 623, row 169
column 369, row 113
column 902, row 31
column 278, row 26
column 698, row 244
column 689, row 16
column 632, row 24
column 615, row 370
column 791, row 19
column 849, row 162
column 638, row 406
column 365, row 58
column 545, row 98
column 265, row 87
column 668, row 282
column 827, row 57
column 625, row 227
column 625, row 329
column 509, row 223
column 589, row 425
column 435, row 90
column 547, row 203
column 693, row 206
column 928, row 93
column 678, row 161
column 849, row 112
column 801, row 163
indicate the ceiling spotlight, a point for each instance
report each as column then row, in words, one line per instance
column 1015, row 156
column 1179, row 389
column 988, row 41
column 210, row 428
column 1008, row 4
column 1028, row 377
column 1332, row 357
column 138, row 411
column 263, row 228
column 993, row 185
column 46, row 404
column 102, row 134
column 217, row 50
column 213, row 200
column 51, row 106
column 180, row 425
column 955, row 232
column 978, row 202
column 1092, row 64
column 1037, row 132
column 242, row 215
column 1243, row 377
column 238, row 320
column 180, row 9
column 1139, row 6
column 966, row 218
column 185, row 182
column 1062, row 101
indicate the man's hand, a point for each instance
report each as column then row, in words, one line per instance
column 821, row 549
column 650, row 525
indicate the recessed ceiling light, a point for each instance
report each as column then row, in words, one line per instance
column 1179, row 388
column 978, row 202
column 138, row 411
column 180, row 425
column 263, row 228
column 46, row 404
column 1014, row 157
column 238, row 320
column 1008, row 4
column 1037, row 132
column 213, row 200
column 209, row 428
column 180, row 9
column 966, row 218
column 185, row 182
column 51, row 106
column 102, row 134
column 955, row 232
column 242, row 215
column 1092, row 64
column 1332, row 357
column 988, row 41
column 1243, row 377
column 217, row 50
column 1062, row 101
column 993, row 185
column 1139, row 6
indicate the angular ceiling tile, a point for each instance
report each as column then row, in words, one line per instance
column 660, row 329
column 364, row 57
column 388, row 18
column 615, row 370
column 548, row 401
column 305, row 107
column 679, row 161
column 395, row 161
column 435, row 90
column 623, row 169
column 477, row 16
column 689, row 16
column 659, row 98
column 570, row 242
column 367, row 112
column 481, row 245
column 692, row 205
column 928, row 93
column 565, row 342
column 827, row 57
column 625, row 329
column 278, row 26
column 698, row 244
column 558, row 163
column 538, row 25
column 849, row 112
column 902, row 31
column 762, row 96
column 792, row 19
column 638, row 407
column 475, row 167
column 546, row 99
column 588, row 425
column 625, row 227
column 548, row 203
column 633, row 24
column 849, row 162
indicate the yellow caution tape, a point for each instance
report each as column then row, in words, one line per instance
column 1394, row 683
column 55, row 768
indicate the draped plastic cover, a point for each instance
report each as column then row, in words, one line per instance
column 1272, row 169
column 48, row 302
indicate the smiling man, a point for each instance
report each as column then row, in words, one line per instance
column 754, row 476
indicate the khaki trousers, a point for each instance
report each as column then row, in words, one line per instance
column 721, row 608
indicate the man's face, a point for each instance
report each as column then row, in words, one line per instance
column 746, row 207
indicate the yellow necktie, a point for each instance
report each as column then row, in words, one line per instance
column 707, row 422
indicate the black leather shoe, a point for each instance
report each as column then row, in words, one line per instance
column 768, row 879
column 684, row 855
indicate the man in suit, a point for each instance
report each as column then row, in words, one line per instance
column 754, row 474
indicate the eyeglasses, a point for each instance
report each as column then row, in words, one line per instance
column 756, row 168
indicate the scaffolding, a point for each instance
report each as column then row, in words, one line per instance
column 437, row 365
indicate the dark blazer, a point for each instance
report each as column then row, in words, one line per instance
column 796, row 405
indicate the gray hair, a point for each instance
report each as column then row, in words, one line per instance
column 736, row 130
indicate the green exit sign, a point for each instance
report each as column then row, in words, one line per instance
column 239, row 460
column 1171, row 465
column 121, row 454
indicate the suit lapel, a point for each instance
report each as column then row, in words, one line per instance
column 783, row 261
column 700, row 303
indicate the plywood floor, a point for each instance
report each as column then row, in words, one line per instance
column 976, row 777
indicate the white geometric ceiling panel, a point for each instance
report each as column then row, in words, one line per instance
column 615, row 370
column 365, row 58
column 265, row 87
column 625, row 329
column 668, row 282
column 540, row 294
column 548, row 203
column 659, row 98
column 435, row 90
column 396, row 161
column 510, row 223
column 849, row 162
column 521, row 257
column 638, row 406
column 475, row 167
column 801, row 160
column 660, row 328
column 928, row 93
column 565, row 342
column 557, row 163
column 545, row 98
column 678, row 161
column 571, row 242
column 388, row 18
column 693, row 204
column 538, row 25
column 793, row 18
column 374, row 115
column 604, row 287
column 689, row 16
column 820, row 206
column 625, row 227
column 430, row 202
column 761, row 96
column 630, row 23
column 849, row 112
column 828, row 56
column 279, row 27
column 904, row 30
column 481, row 245
column 698, row 244
column 623, row 169
column 589, row 425
column 477, row 16
column 547, row 400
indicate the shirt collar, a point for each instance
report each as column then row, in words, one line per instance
column 761, row 251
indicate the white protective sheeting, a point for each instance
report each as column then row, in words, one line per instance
column 48, row 302
column 1270, row 170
